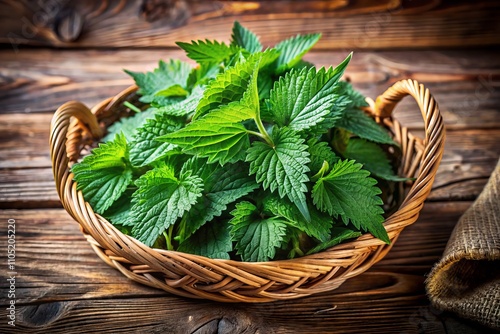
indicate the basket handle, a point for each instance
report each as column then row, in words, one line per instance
column 62, row 139
column 433, row 124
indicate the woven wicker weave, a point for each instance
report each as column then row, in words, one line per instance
column 74, row 127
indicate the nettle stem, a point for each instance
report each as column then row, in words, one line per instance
column 262, row 130
column 168, row 237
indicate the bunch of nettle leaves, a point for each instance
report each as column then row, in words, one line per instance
column 251, row 155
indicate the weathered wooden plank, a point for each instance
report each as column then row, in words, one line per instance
column 465, row 83
column 24, row 140
column 26, row 177
column 345, row 24
column 63, row 286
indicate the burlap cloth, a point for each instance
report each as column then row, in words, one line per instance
column 466, row 280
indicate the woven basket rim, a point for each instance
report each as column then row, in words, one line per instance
column 64, row 134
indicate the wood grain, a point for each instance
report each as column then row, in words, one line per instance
column 463, row 83
column 159, row 23
column 62, row 286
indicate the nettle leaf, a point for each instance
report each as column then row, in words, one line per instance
column 227, row 87
column 348, row 191
column 104, row 175
column 282, row 167
column 339, row 234
column 230, row 85
column 175, row 72
column 339, row 106
column 303, row 98
column 362, row 125
column 208, row 51
column 185, row 107
column 128, row 126
column 357, row 100
column 119, row 212
column 222, row 186
column 175, row 90
column 211, row 240
column 319, row 226
column 218, row 135
column 244, row 38
column 320, row 151
column 145, row 149
column 160, row 199
column 220, row 139
column 372, row 157
column 202, row 75
column 293, row 49
column 256, row 238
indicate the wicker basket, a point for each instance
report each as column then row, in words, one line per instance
column 74, row 127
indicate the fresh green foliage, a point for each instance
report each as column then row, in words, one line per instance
column 145, row 149
column 282, row 166
column 160, row 199
column 372, row 157
column 244, row 38
column 293, row 49
column 227, row 87
column 173, row 73
column 211, row 52
column 254, row 154
column 105, row 174
column 362, row 125
column 348, row 191
column 222, row 186
column 320, row 152
column 303, row 98
column 318, row 227
column 211, row 240
column 128, row 126
column 256, row 238
column 340, row 234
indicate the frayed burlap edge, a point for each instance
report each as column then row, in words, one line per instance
column 467, row 278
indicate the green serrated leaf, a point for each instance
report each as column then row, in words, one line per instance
column 232, row 84
column 119, row 212
column 145, row 149
column 372, row 157
column 217, row 140
column 293, row 49
column 222, row 186
column 184, row 107
column 128, row 126
column 357, row 100
column 348, row 191
column 362, row 125
column 160, row 199
column 202, row 75
column 175, row 72
column 104, row 175
column 212, row 52
column 227, row 87
column 318, row 227
column 244, row 38
column 282, row 167
column 330, row 120
column 211, row 240
column 256, row 239
column 303, row 98
column 175, row 90
column 319, row 151
column 339, row 234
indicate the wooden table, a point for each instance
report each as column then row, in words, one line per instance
column 61, row 286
